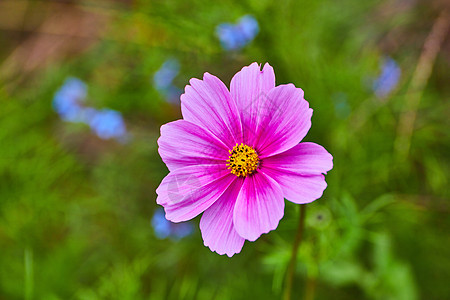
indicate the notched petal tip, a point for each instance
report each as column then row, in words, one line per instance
column 302, row 93
column 187, row 89
column 253, row 238
column 208, row 75
column 254, row 66
column 227, row 252
column 194, row 81
column 268, row 66
column 160, row 199
column 263, row 68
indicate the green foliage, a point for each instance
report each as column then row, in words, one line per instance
column 75, row 211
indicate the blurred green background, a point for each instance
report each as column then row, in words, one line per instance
column 76, row 209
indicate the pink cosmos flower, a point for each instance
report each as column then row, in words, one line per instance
column 236, row 156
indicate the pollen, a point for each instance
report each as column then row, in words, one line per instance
column 243, row 160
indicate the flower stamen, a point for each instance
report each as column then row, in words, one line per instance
column 243, row 160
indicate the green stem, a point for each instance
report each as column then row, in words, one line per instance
column 28, row 263
column 297, row 242
column 310, row 288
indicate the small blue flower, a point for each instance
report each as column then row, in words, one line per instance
column 166, row 74
column 66, row 101
column 108, row 124
column 163, row 80
column 72, row 114
column 388, row 79
column 160, row 224
column 74, row 88
column 228, row 37
column 235, row 37
column 173, row 94
column 249, row 28
column 164, row 228
column 87, row 114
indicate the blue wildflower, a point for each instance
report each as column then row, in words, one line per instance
column 66, row 101
column 108, row 124
column 249, row 28
column 87, row 114
column 166, row 74
column 388, row 79
column 163, row 80
column 228, row 37
column 235, row 37
column 74, row 88
column 164, row 228
column 173, row 94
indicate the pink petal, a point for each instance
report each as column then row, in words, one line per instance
column 184, row 144
column 189, row 191
column 298, row 188
column 216, row 225
column 208, row 104
column 283, row 120
column 303, row 159
column 259, row 206
column 249, row 88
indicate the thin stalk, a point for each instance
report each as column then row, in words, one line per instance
column 28, row 264
column 310, row 288
column 297, row 242
column 419, row 81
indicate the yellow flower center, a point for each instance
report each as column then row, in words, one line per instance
column 243, row 160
